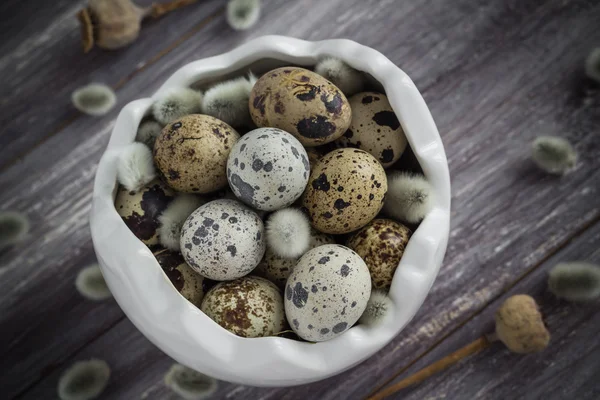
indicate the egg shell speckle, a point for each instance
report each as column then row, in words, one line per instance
column 374, row 128
column 140, row 210
column 223, row 240
column 327, row 292
column 345, row 191
column 249, row 307
column 268, row 169
column 301, row 102
column 277, row 269
column 191, row 153
column 381, row 244
column 188, row 282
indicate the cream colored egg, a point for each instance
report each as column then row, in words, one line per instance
column 249, row 307
column 374, row 128
column 140, row 210
column 345, row 191
column 381, row 245
column 277, row 269
column 187, row 282
column 302, row 103
column 327, row 292
column 191, row 153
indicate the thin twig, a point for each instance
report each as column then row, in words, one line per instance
column 434, row 368
column 160, row 9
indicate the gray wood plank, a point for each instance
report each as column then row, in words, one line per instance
column 567, row 369
column 485, row 145
column 42, row 63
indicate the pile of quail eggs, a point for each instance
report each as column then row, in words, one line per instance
column 226, row 161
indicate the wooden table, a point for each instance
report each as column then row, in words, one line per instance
column 495, row 74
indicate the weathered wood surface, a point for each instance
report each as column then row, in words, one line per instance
column 494, row 75
column 567, row 369
column 42, row 64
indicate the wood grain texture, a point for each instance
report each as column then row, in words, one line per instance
column 494, row 75
column 43, row 63
column 567, row 369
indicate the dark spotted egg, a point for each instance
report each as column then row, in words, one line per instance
column 374, row 128
column 223, row 240
column 327, row 292
column 249, row 307
column 186, row 281
column 381, row 244
column 345, row 191
column 268, row 169
column 191, row 153
column 301, row 102
column 140, row 210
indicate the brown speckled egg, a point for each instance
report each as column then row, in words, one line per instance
column 187, row 282
column 277, row 269
column 345, row 191
column 302, row 103
column 191, row 153
column 374, row 128
column 381, row 244
column 140, row 210
column 249, row 307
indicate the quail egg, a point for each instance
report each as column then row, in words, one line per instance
column 249, row 307
column 374, row 128
column 268, row 169
column 301, row 102
column 223, row 240
column 327, row 292
column 381, row 245
column 187, row 281
column 140, row 210
column 345, row 191
column 191, row 153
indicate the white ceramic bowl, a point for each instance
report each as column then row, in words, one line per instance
column 181, row 330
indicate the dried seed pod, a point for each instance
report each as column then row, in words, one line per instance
column 519, row 325
column 110, row 24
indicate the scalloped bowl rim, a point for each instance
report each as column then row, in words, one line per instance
column 186, row 334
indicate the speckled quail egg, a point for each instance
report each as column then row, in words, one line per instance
column 140, row 210
column 188, row 282
column 191, row 153
column 249, row 307
column 326, row 292
column 345, row 191
column 301, row 102
column 374, row 128
column 268, row 169
column 277, row 269
column 381, row 245
column 223, row 240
